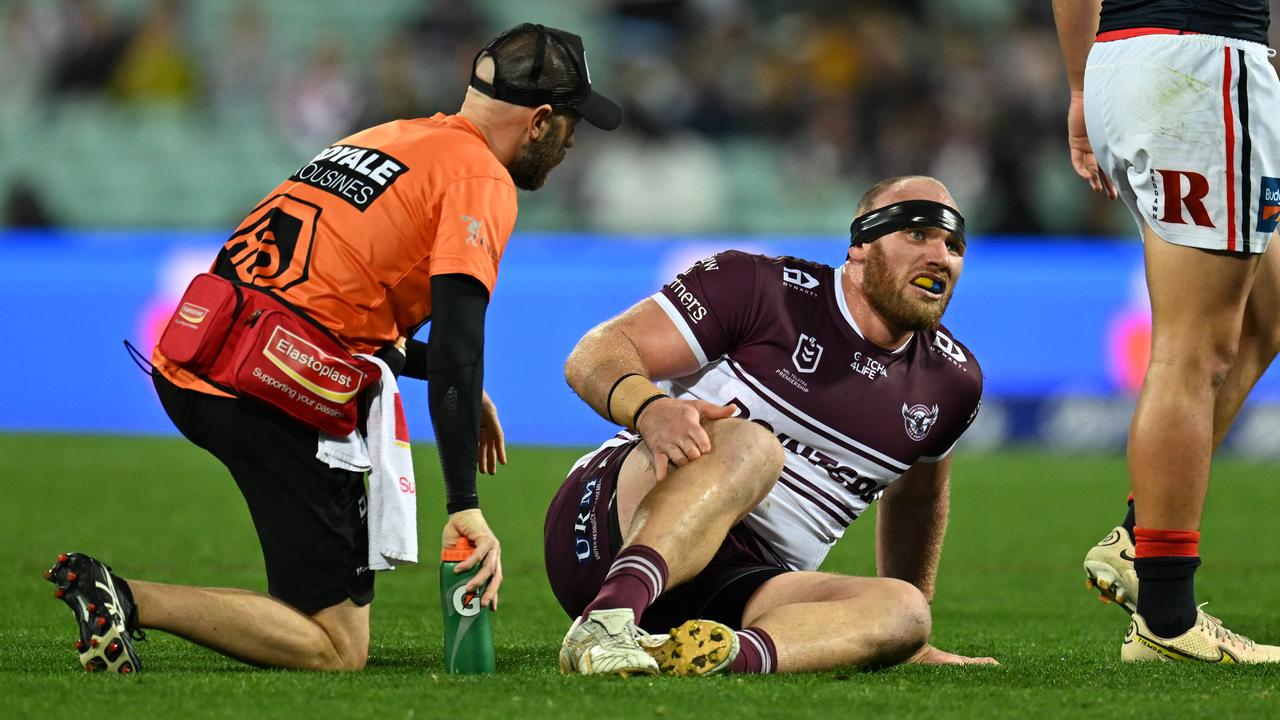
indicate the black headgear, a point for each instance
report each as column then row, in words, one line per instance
column 903, row 215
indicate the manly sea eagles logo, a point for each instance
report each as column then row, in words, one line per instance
column 919, row 419
column 808, row 353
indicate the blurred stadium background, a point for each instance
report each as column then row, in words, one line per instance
column 135, row 133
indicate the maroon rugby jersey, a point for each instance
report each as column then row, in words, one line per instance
column 774, row 336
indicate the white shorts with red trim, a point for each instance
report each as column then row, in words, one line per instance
column 1187, row 128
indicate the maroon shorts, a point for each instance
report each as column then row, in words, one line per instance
column 582, row 537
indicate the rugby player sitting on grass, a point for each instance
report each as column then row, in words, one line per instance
column 793, row 395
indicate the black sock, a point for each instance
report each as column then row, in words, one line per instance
column 1167, row 600
column 1129, row 521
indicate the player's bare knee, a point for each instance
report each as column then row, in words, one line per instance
column 329, row 658
column 909, row 620
column 1207, row 364
column 752, row 446
column 355, row 660
column 1223, row 356
column 323, row 657
column 345, row 643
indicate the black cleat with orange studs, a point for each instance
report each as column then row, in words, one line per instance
column 104, row 610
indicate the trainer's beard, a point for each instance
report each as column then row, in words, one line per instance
column 886, row 295
column 532, row 165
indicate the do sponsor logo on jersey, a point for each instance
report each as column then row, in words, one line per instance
column 798, row 278
column 945, row 346
column 1269, row 204
column 357, row 175
column 690, row 302
column 866, row 488
column 584, row 526
column 868, row 367
column 475, row 235
column 807, row 355
column 973, row 415
column 919, row 420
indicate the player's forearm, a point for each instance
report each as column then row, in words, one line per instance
column 1077, row 22
column 909, row 535
column 601, row 357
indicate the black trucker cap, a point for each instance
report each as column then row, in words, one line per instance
column 537, row 65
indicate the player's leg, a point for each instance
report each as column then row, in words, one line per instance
column 1197, row 310
column 249, row 626
column 670, row 530
column 1109, row 564
column 654, row 536
column 805, row 621
column 312, row 526
column 257, row 628
column 581, row 540
column 1259, row 343
column 1197, row 303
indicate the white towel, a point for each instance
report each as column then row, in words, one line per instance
column 383, row 450
column 344, row 453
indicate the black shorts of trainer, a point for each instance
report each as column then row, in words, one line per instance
column 582, row 537
column 311, row 520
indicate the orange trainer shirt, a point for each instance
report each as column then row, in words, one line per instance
column 354, row 236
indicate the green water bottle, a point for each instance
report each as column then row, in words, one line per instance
column 468, row 637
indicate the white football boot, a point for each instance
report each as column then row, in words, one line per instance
column 1109, row 568
column 1207, row 641
column 605, row 642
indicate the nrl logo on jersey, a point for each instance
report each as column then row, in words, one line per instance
column 919, row 420
column 807, row 355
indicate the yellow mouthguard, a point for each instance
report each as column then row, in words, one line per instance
column 927, row 284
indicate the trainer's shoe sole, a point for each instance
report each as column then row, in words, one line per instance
column 697, row 647
column 104, row 644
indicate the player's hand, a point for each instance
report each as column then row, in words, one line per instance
column 930, row 655
column 492, row 447
column 672, row 430
column 470, row 524
column 1082, row 157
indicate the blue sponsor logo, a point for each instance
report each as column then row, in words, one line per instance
column 1269, row 204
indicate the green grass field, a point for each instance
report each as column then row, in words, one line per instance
column 1010, row 586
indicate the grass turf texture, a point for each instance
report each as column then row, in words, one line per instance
column 1010, row 586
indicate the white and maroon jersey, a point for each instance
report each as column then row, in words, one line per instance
column 774, row 336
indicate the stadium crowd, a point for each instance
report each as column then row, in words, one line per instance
column 742, row 115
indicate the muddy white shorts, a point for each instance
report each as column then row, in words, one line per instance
column 1187, row 128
